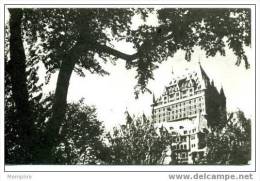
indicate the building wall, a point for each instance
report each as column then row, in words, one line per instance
column 189, row 107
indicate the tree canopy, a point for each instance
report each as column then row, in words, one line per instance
column 95, row 31
column 138, row 142
column 232, row 143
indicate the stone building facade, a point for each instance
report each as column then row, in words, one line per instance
column 190, row 107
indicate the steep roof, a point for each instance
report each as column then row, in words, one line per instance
column 197, row 78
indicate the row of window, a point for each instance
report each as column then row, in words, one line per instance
column 193, row 145
column 187, row 86
column 181, row 104
column 184, row 155
column 180, row 147
column 188, row 108
column 177, row 116
column 180, row 139
column 181, row 95
column 172, row 99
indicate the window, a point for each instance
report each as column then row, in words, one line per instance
column 185, row 132
column 183, row 139
column 192, row 137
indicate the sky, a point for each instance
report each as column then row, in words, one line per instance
column 114, row 94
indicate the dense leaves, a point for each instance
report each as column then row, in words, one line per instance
column 80, row 136
column 58, row 30
column 232, row 144
column 22, row 95
column 138, row 142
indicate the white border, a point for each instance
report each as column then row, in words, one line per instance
column 132, row 168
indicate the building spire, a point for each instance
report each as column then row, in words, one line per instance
column 203, row 73
column 199, row 60
column 154, row 100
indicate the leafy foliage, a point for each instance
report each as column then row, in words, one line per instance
column 232, row 144
column 58, row 30
column 80, row 135
column 138, row 142
column 15, row 150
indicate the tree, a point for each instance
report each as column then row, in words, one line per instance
column 18, row 79
column 71, row 39
column 22, row 95
column 231, row 144
column 138, row 142
column 81, row 141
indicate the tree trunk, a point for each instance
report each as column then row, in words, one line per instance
column 60, row 102
column 17, row 71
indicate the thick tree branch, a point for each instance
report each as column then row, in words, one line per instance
column 106, row 49
column 116, row 53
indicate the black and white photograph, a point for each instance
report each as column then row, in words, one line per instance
column 129, row 87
